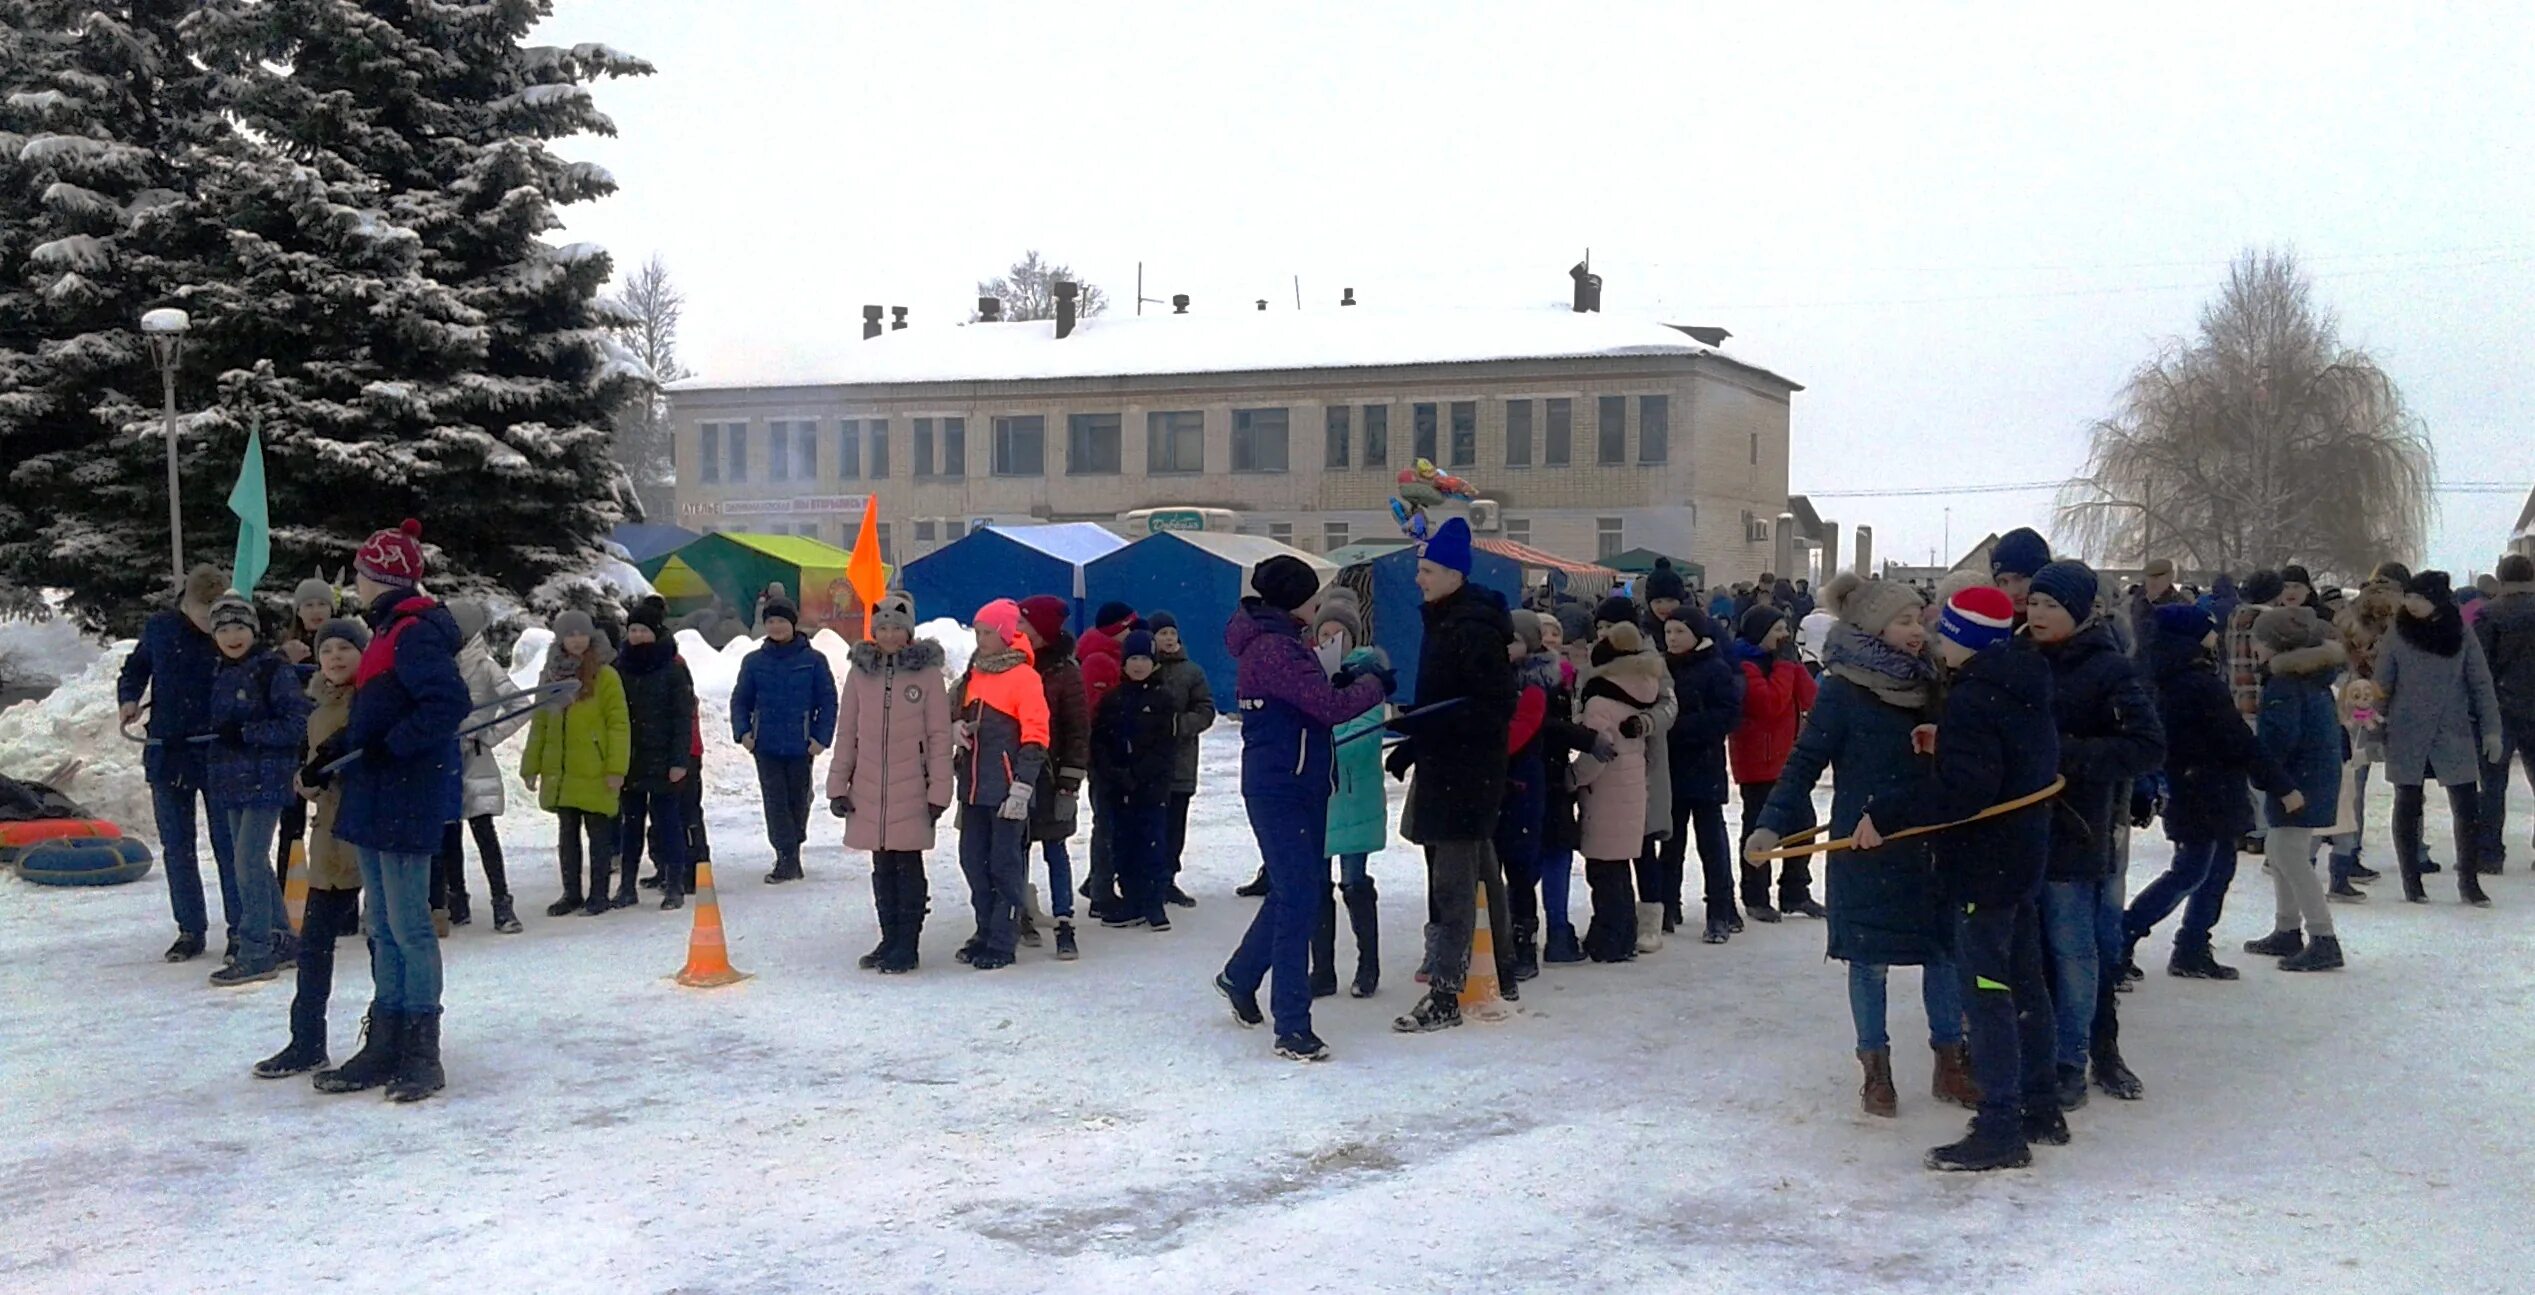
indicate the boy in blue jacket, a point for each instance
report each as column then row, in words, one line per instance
column 171, row 665
column 783, row 710
column 258, row 717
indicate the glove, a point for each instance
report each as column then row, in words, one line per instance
column 313, row 775
column 1016, row 803
column 1604, row 749
column 1398, row 761
column 1762, row 842
column 840, row 806
column 233, row 733
column 2492, row 748
column 936, row 811
column 1636, row 726
column 1066, row 805
column 2143, row 807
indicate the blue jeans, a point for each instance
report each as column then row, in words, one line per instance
column 1290, row 832
column 173, row 807
column 1351, row 869
column 260, row 913
column 2197, row 881
column 2072, row 925
column 1060, row 879
column 404, row 953
column 1940, row 989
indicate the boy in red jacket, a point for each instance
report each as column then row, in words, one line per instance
column 1777, row 694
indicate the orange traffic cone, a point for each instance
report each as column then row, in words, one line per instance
column 1479, row 995
column 295, row 886
column 708, row 958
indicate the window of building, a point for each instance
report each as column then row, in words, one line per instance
column 924, row 532
column 1518, row 433
column 1611, row 431
column 1333, row 536
column 805, row 449
column 1608, row 537
column 708, row 452
column 1091, row 445
column 1281, row 532
column 778, row 450
column 1654, row 428
column 1258, row 441
column 1377, row 436
column 1175, row 441
column 1557, row 432
column 877, row 431
column 735, row 435
column 1755, row 447
column 1422, row 424
column 954, row 447
column 922, row 447
column 888, row 553
column 1465, row 433
column 792, row 450
column 1518, row 530
column 849, row 449
column 1341, row 431
column 1020, row 446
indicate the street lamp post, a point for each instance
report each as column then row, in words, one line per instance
column 166, row 330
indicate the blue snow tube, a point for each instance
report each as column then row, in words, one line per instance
column 84, row 861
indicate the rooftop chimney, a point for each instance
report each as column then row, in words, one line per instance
column 871, row 322
column 989, row 310
column 1262, row 303
column 1349, row 298
column 1065, row 308
column 1179, row 303
column 897, row 318
column 1588, row 289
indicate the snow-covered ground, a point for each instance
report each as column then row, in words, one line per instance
column 1685, row 1123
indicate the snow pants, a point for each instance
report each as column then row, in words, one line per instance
column 994, row 854
column 665, row 817
column 2007, row 998
column 1141, row 846
column 784, row 781
column 1290, row 831
column 1795, row 876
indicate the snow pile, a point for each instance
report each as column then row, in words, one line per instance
column 78, row 722
column 620, row 576
column 43, row 653
column 528, row 655
column 958, row 643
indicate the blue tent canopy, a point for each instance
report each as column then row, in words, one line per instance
column 1199, row 577
column 643, row 541
column 1013, row 562
column 1395, row 605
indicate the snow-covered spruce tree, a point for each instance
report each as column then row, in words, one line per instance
column 98, row 223
column 493, row 423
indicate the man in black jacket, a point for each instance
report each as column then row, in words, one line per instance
column 2507, row 632
column 1994, row 744
column 1465, row 689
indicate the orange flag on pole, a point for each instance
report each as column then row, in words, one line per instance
column 863, row 570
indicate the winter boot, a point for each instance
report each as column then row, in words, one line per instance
column 626, row 895
column 2363, row 874
column 672, row 899
column 1756, row 893
column 461, row 912
column 906, row 932
column 1650, row 928
column 2323, row 953
column 884, row 903
column 571, row 900
column 1953, row 1081
column 2278, row 944
column 2343, row 892
column 787, row 868
column 1245, row 1002
column 1526, row 965
column 1364, row 917
column 1066, row 949
column 418, row 1073
column 1440, row 1009
column 2469, row 888
column 2195, row 962
column 1256, row 887
column 1562, row 946
column 1305, row 1046
column 188, row 946
column 2413, row 868
column 307, row 1048
column 2072, row 1087
column 1877, row 1095
column 1718, row 931
column 598, row 897
column 1982, row 1150
column 2045, row 1127
column 2111, row 1073
column 382, row 1041
column 1324, row 948
column 1178, row 898
column 1804, row 906
column 505, row 918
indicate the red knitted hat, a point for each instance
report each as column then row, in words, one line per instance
column 1047, row 614
column 393, row 557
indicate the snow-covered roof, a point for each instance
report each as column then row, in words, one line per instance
column 1231, row 342
column 1075, row 542
column 1247, row 551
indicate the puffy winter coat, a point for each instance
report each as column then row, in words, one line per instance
column 1359, row 818
column 1776, row 696
column 2109, row 738
column 2210, row 756
column 172, row 662
column 1052, row 811
column 2438, row 701
column 786, row 697
column 1288, row 707
column 1193, row 704
column 1709, row 689
column 409, row 706
column 893, row 746
column 332, row 865
column 1611, row 794
column 262, row 697
column 2507, row 635
column 1005, row 707
column 1459, row 750
column 1887, row 907
column 485, row 681
column 660, row 707
column 573, row 752
column 2301, row 734
column 1995, row 743
column 1132, row 742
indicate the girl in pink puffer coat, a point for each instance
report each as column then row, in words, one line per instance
column 890, row 776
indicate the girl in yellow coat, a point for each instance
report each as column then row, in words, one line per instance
column 577, row 757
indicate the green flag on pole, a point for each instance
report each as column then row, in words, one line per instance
column 255, row 535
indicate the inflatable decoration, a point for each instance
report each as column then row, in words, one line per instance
column 1422, row 487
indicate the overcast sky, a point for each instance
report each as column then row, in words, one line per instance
column 1960, row 228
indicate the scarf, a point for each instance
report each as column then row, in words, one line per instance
column 1879, row 667
column 996, row 660
column 2442, row 634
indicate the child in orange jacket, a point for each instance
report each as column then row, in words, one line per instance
column 1002, row 735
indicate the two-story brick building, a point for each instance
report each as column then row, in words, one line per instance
column 1584, row 434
